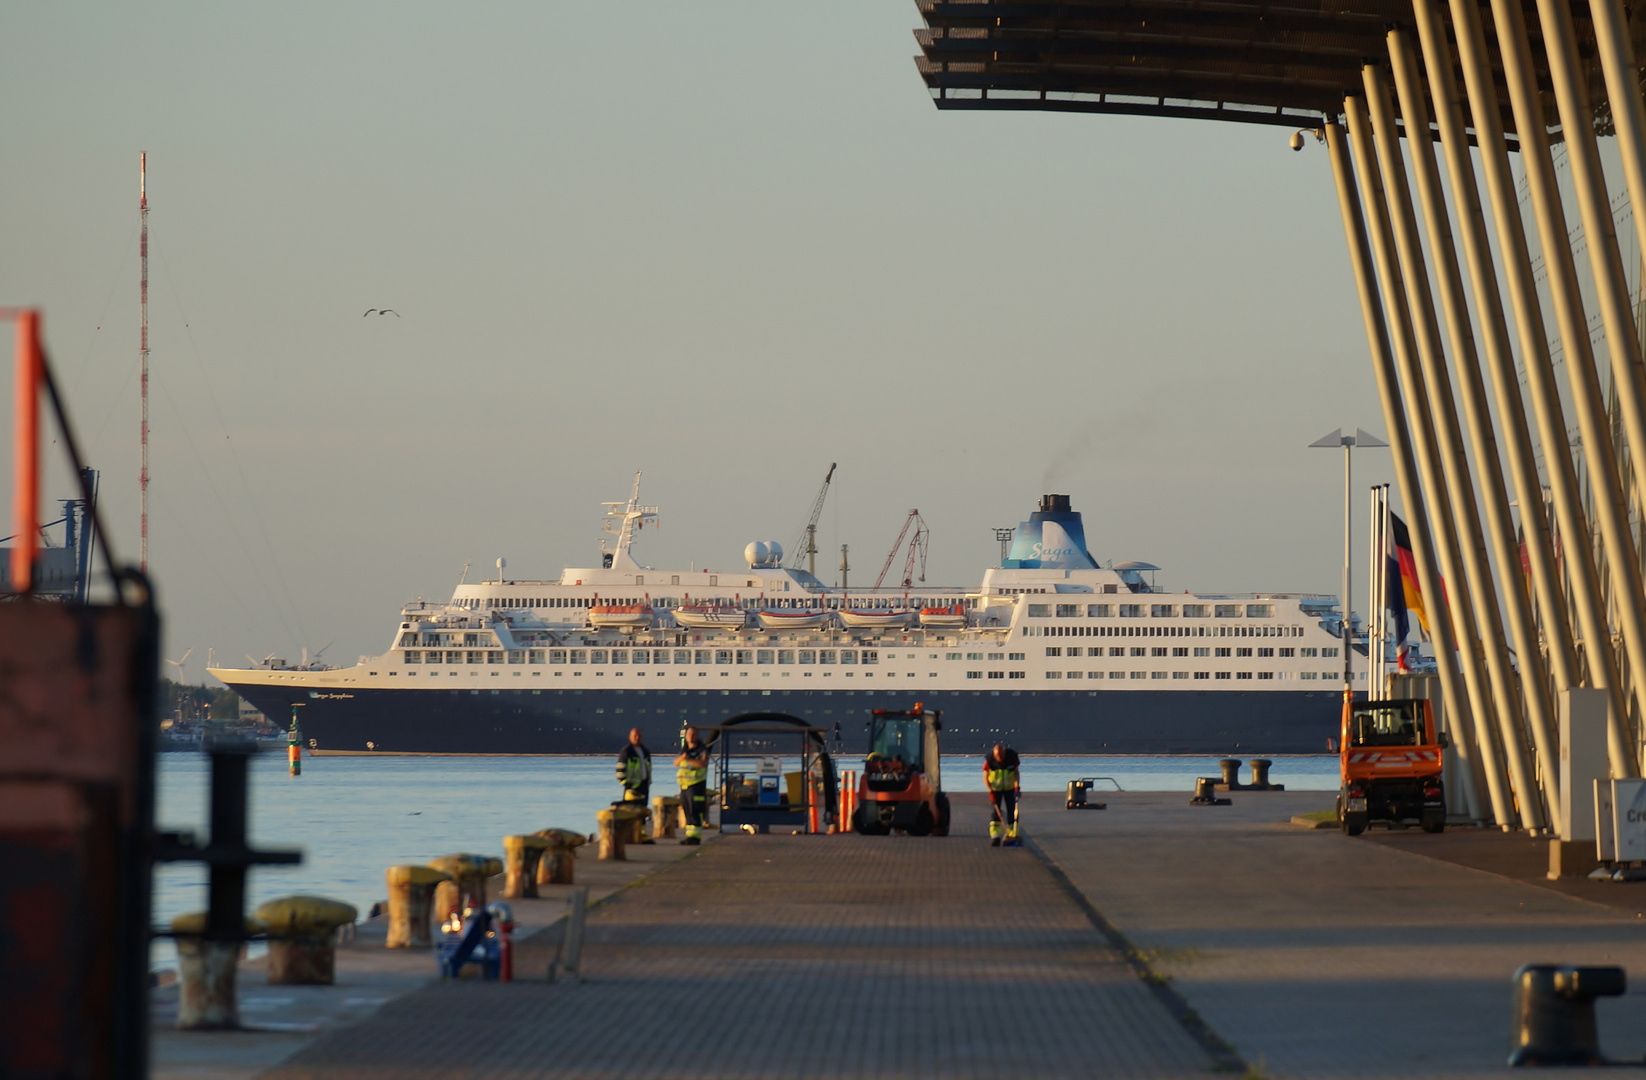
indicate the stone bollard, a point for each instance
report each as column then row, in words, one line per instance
column 559, row 863
column 1260, row 772
column 615, row 827
column 206, row 998
column 411, row 897
column 469, row 872
column 1231, row 772
column 1552, row 1014
column 665, row 809
column 521, row 855
column 303, row 938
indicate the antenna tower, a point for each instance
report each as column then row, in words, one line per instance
column 143, row 354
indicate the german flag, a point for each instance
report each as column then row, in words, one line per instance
column 1404, row 592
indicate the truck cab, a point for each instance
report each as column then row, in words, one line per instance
column 902, row 784
column 1391, row 766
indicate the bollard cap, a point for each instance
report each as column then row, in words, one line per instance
column 304, row 913
column 465, row 865
column 195, row 923
column 562, row 837
column 415, row 875
column 1588, row 983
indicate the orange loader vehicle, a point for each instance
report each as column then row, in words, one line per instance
column 902, row 783
column 1391, row 766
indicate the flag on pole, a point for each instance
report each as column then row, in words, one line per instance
column 1405, row 595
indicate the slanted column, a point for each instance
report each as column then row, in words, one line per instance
column 1400, row 439
column 1532, row 333
column 1531, row 688
column 1622, row 347
column 1598, row 453
column 1517, row 437
column 1617, row 61
column 1429, row 403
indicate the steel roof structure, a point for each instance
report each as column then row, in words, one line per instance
column 1288, row 63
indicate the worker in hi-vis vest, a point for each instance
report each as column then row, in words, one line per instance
column 691, row 768
column 1000, row 774
column 634, row 769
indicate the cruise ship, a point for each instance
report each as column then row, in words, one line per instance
column 1052, row 653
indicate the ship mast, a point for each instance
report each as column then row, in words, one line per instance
column 143, row 354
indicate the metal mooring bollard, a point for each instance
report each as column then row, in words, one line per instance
column 1552, row 1016
column 1205, row 793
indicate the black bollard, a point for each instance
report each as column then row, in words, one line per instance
column 1552, row 1014
column 1231, row 773
column 1205, row 793
column 1260, row 772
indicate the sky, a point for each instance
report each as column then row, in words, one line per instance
column 725, row 244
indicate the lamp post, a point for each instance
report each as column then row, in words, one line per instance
column 1348, row 443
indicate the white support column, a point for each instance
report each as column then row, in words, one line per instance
column 1531, row 331
column 1567, row 301
column 1531, row 687
column 1439, row 446
column 1394, row 417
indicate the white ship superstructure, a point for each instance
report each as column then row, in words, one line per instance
column 1048, row 622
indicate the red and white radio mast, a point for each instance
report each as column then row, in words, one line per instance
column 143, row 353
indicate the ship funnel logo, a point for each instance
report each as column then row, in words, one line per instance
column 1051, row 540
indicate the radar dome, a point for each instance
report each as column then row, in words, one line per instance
column 764, row 553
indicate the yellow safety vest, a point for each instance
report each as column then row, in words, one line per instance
column 693, row 773
column 1000, row 777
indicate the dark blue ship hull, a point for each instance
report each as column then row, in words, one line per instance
column 597, row 721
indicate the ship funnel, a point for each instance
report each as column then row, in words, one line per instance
column 1052, row 539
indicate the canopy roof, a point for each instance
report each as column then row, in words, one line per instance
column 1288, row 63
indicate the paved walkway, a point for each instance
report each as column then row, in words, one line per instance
column 281, row 1020
column 777, row 956
column 1321, row 955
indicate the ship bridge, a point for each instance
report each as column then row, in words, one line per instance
column 1399, row 90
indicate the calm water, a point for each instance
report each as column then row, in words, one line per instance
column 354, row 816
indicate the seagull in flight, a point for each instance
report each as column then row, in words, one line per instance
column 384, row 311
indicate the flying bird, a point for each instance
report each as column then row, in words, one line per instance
column 385, row 311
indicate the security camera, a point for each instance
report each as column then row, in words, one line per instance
column 1297, row 140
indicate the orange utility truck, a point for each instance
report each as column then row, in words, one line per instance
column 902, row 783
column 1391, row 765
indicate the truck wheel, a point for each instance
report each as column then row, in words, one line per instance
column 923, row 822
column 1434, row 826
column 867, row 825
column 942, row 826
column 1354, row 824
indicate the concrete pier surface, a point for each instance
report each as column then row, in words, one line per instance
column 281, row 1020
column 1153, row 938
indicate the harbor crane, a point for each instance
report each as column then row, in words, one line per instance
column 807, row 544
column 917, row 547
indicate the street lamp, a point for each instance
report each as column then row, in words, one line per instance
column 1348, row 443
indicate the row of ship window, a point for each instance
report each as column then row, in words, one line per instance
column 1161, row 631
column 1153, row 611
column 653, row 656
column 1259, row 675
column 1184, row 650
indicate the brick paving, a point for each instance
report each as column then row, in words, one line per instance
column 767, row 956
column 1321, row 955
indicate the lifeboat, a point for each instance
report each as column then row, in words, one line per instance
column 876, row 618
column 952, row 617
column 711, row 618
column 792, row 620
column 621, row 616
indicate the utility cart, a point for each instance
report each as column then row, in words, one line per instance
column 773, row 770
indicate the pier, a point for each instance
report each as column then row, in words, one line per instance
column 1153, row 938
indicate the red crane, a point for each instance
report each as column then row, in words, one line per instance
column 917, row 547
